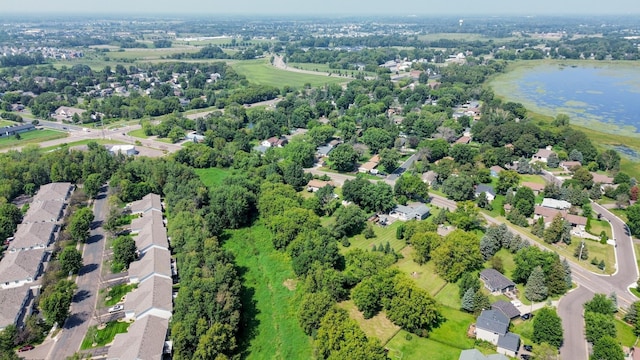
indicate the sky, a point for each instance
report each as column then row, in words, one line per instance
column 324, row 7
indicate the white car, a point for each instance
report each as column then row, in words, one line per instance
column 115, row 308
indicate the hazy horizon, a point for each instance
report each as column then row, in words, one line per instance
column 327, row 7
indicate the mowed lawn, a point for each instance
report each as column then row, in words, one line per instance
column 379, row 326
column 262, row 73
column 270, row 329
column 212, row 177
column 32, row 137
column 383, row 235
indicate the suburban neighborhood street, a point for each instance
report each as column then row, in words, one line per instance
column 68, row 341
column 589, row 283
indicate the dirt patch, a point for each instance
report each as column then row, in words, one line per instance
column 290, row 284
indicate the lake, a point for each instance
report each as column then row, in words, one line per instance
column 603, row 97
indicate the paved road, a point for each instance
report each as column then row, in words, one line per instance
column 589, row 283
column 84, row 302
column 402, row 168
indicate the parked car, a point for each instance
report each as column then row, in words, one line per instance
column 115, row 308
column 525, row 357
column 26, row 348
column 526, row 316
column 528, row 347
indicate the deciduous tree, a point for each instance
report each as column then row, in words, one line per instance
column 547, row 327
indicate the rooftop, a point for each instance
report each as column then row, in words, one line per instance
column 144, row 340
column 156, row 293
column 20, row 265
column 509, row 341
column 153, row 262
column 494, row 321
column 507, row 308
column 41, row 211
column 149, row 202
column 495, row 280
column 32, row 234
column 53, row 191
column 555, row 204
column 11, row 301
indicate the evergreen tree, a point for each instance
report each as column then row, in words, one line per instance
column 441, row 218
column 468, row 281
column 581, row 252
column 468, row 300
column 480, row 302
column 567, row 273
column 556, row 282
column 536, row 290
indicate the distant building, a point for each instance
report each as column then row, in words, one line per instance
column 8, row 131
column 475, row 354
column 542, row 154
column 496, row 170
column 488, row 190
column 123, row 149
column 556, row 204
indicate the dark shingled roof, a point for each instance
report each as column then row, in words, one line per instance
column 509, row 341
column 494, row 280
column 507, row 308
column 494, row 321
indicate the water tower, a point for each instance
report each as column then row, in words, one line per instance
column 460, row 22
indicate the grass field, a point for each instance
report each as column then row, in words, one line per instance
column 537, row 179
column 31, row 137
column 377, row 327
column 271, row 328
column 383, row 235
column 597, row 226
column 262, row 73
column 326, row 68
column 104, row 336
column 139, row 133
column 625, row 333
column 212, row 177
column 4, row 123
column 423, row 275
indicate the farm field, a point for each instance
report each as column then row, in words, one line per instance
column 32, row 137
column 270, row 328
column 262, row 73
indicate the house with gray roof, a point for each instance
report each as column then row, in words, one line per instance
column 33, row 235
column 7, row 131
column 20, row 267
column 509, row 344
column 155, row 262
column 153, row 234
column 475, row 354
column 488, row 190
column 54, row 192
column 507, row 308
column 151, row 202
column 495, row 282
column 13, row 303
column 145, row 339
column 417, row 211
column 44, row 211
column 152, row 297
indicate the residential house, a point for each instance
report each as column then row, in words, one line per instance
column 429, row 177
column 509, row 344
column 570, row 165
column 463, row 140
column 323, row 151
column 155, row 262
column 150, row 202
column 496, row 170
column 8, row 131
column 54, row 191
column 493, row 326
column 368, row 167
column 603, row 180
column 13, row 303
column 66, row 113
column 535, row 187
column 152, row 235
column 507, row 308
column 487, row 189
column 274, row 142
column 418, row 212
column 137, row 224
column 475, row 354
column 145, row 339
column 542, row 155
column 21, row 267
column 33, row 235
column 192, row 136
column 315, row 185
column 578, row 222
column 556, row 204
column 152, row 297
column 44, row 211
column 127, row 150
column 495, row 282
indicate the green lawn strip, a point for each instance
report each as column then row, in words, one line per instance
column 384, row 234
column 453, row 331
column 597, row 226
column 537, row 179
column 31, row 137
column 4, row 123
column 116, row 293
column 448, row 296
column 103, row 336
column 625, row 333
column 379, row 326
column 423, row 275
column 265, row 271
column 524, row 329
column 407, row 346
column 212, row 177
column 262, row 73
column 139, row 133
column 85, row 142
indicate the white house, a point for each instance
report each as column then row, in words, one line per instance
column 542, row 155
column 556, row 204
column 415, row 212
column 152, row 297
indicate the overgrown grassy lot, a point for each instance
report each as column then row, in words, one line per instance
column 212, row 177
column 31, row 137
column 262, row 73
column 270, row 327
